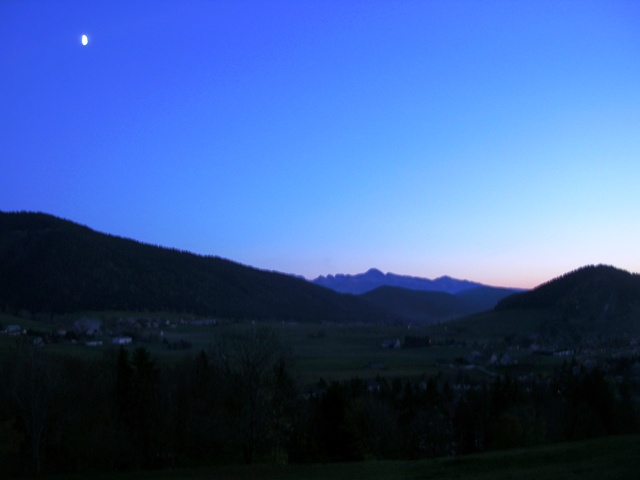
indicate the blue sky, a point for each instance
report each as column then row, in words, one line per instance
column 491, row 140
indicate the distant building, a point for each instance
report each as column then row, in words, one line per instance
column 13, row 330
column 121, row 340
column 391, row 343
column 88, row 326
column 502, row 359
column 204, row 322
column 563, row 353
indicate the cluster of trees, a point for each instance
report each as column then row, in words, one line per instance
column 435, row 417
column 417, row 341
column 242, row 403
column 125, row 411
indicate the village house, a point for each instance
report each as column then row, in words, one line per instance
column 13, row 330
column 391, row 343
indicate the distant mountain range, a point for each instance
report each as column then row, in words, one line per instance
column 418, row 299
column 374, row 278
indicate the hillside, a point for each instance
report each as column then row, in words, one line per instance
column 418, row 306
column 595, row 292
column 593, row 306
column 374, row 278
column 429, row 307
column 52, row 265
column 485, row 298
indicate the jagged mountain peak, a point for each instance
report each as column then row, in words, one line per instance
column 374, row 278
column 374, row 272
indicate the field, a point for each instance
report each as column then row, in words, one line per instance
column 602, row 459
column 319, row 351
column 342, row 352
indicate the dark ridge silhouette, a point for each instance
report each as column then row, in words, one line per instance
column 587, row 291
column 419, row 306
column 593, row 305
column 430, row 307
column 486, row 298
column 48, row 264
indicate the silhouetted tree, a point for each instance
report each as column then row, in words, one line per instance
column 35, row 391
column 260, row 393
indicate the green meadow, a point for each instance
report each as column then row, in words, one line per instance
column 341, row 352
column 318, row 351
column 612, row 458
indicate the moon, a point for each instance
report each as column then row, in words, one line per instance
column 84, row 40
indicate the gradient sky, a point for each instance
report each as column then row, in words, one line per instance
column 497, row 141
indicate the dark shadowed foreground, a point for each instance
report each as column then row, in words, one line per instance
column 601, row 459
column 241, row 403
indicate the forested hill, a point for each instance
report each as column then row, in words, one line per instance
column 419, row 306
column 591, row 292
column 52, row 265
column 427, row 307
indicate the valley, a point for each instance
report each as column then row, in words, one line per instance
column 193, row 360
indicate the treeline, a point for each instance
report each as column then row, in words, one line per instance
column 434, row 417
column 241, row 403
column 53, row 266
column 582, row 293
column 125, row 411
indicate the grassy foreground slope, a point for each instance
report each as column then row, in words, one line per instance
column 603, row 459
